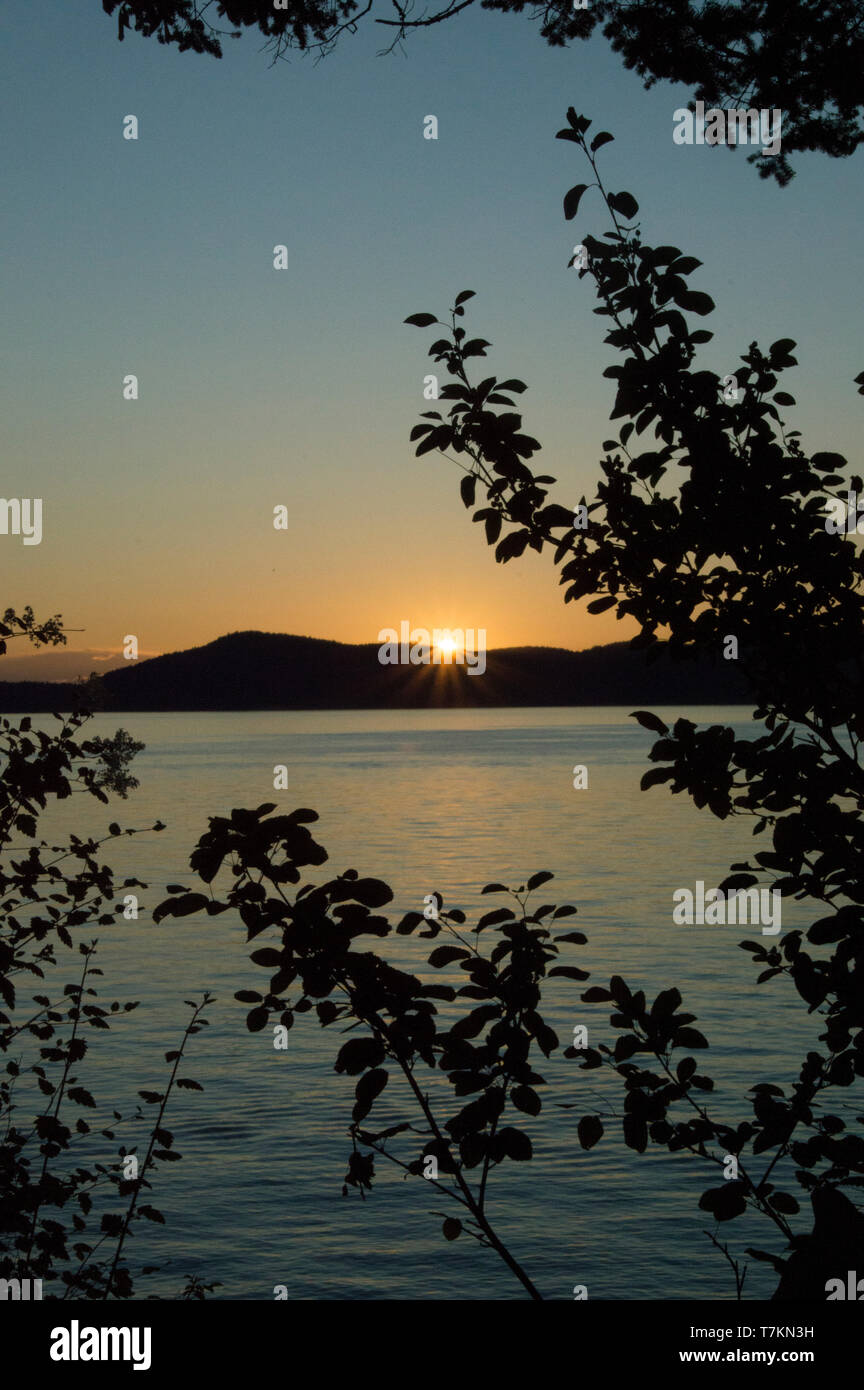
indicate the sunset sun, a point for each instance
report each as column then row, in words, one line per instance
column 447, row 646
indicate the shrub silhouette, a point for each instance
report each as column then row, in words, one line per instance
column 48, row 894
column 742, row 547
column 488, row 1055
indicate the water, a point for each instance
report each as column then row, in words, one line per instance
column 445, row 801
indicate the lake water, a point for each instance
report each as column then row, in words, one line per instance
column 429, row 801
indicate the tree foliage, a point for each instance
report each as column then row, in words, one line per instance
column 480, row 1069
column 806, row 59
column 714, row 527
column 66, row 1215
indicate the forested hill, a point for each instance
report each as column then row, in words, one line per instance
column 261, row 670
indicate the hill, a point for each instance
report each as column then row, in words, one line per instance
column 264, row 670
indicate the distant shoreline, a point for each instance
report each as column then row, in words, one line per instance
column 62, row 708
column 272, row 671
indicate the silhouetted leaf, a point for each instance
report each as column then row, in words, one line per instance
column 590, row 1131
column 572, row 199
column 359, row 1053
column 368, row 1088
column 526, row 1100
column 443, row 955
column 650, row 721
column 536, row 880
column 515, row 1144
column 624, row 203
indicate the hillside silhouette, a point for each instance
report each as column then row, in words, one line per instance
column 265, row 670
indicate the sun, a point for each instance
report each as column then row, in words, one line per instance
column 446, row 645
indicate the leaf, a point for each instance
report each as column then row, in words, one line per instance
column 452, row 1228
column 695, row 302
column 357, row 1054
column 600, row 605
column 495, row 888
column 492, row 919
column 368, row 1088
column 187, row 1085
column 724, row 1203
column 572, row 199
column 409, row 922
column 666, row 1003
column 515, row 1144
column 443, row 955
column 267, row 956
column 602, row 139
column 512, row 546
column 151, row 1214
column 654, row 776
column 525, row 1099
column 635, row 1133
column 474, row 1023
column 463, row 295
column 827, row 929
column 492, row 522
column 180, row 907
column 650, row 721
column 828, row 463
column 624, row 203
column 421, row 320
column 467, row 489
column 537, row 879
column 80, row 1096
column 590, row 1131
column 684, row 265
column 372, row 892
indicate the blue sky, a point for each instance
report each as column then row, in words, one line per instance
column 261, row 387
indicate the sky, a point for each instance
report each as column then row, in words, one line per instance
column 261, row 388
